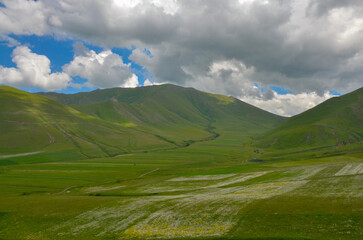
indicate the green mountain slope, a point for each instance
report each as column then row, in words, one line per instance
column 337, row 121
column 174, row 112
column 33, row 123
column 116, row 121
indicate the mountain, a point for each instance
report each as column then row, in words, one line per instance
column 116, row 121
column 32, row 123
column 337, row 121
column 168, row 108
column 166, row 103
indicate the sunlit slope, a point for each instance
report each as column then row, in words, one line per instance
column 115, row 121
column 32, row 123
column 337, row 121
column 166, row 108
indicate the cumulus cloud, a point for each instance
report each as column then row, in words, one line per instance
column 302, row 45
column 104, row 69
column 147, row 82
column 289, row 104
column 228, row 77
column 32, row 70
column 320, row 8
column 235, row 78
column 24, row 17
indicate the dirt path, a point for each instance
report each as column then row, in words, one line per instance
column 51, row 138
column 144, row 174
column 66, row 189
column 19, row 155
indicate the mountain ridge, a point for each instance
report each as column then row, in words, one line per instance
column 118, row 121
column 184, row 103
column 114, row 121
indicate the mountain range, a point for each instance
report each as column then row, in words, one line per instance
column 115, row 121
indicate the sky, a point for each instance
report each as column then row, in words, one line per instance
column 284, row 56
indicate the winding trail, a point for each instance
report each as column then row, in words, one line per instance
column 19, row 154
column 144, row 174
column 66, row 189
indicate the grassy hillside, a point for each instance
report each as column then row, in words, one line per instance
column 164, row 104
column 116, row 121
column 32, row 124
column 176, row 113
column 337, row 121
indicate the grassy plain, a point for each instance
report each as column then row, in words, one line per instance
column 204, row 191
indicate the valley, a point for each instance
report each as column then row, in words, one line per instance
column 166, row 162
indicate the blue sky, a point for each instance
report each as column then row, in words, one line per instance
column 61, row 52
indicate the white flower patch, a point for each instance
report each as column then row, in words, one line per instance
column 350, row 169
column 309, row 172
column 113, row 219
column 201, row 178
column 101, row 189
column 123, row 223
column 189, row 217
column 211, row 209
column 240, row 178
column 168, row 224
column 167, row 189
column 175, row 186
column 210, row 212
column 267, row 190
column 301, row 173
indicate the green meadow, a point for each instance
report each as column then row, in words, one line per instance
column 133, row 167
column 200, row 192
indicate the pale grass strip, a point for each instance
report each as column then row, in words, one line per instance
column 237, row 179
column 201, row 178
column 350, row 169
column 19, row 155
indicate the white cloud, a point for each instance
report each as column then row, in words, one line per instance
column 168, row 6
column 32, row 70
column 228, row 77
column 131, row 82
column 305, row 42
column 104, row 70
column 24, row 17
column 279, row 40
column 234, row 77
column 217, row 46
column 127, row 3
column 289, row 104
column 147, row 82
column 9, row 41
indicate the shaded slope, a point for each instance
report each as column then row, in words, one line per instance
column 115, row 121
column 337, row 121
column 167, row 107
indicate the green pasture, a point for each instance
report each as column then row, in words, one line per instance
column 205, row 191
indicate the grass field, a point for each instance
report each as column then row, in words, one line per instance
column 205, row 191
